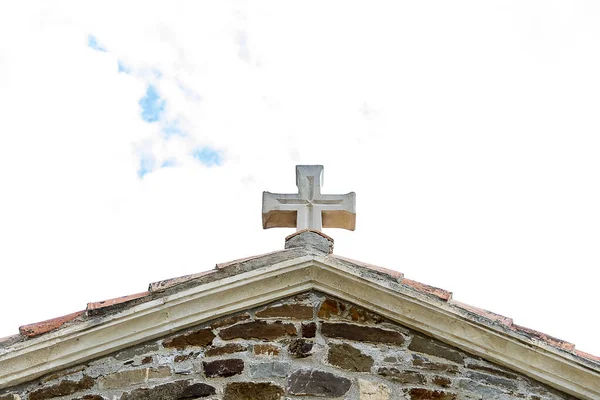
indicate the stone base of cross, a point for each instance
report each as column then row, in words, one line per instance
column 309, row 209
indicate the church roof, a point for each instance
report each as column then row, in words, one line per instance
column 307, row 263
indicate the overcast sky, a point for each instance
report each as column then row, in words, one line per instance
column 136, row 140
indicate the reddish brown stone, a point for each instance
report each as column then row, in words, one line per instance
column 334, row 309
column 296, row 311
column 202, row 337
column 328, row 308
column 441, row 381
column 147, row 360
column 433, row 347
column 361, row 333
column 300, row 348
column 229, row 348
column 252, row 391
column 223, row 368
column 266, row 349
column 426, row 364
column 258, row 330
column 309, row 330
column 182, row 357
column 424, row 394
column 39, row 328
column 347, row 357
column 407, row 377
column 230, row 321
column 64, row 388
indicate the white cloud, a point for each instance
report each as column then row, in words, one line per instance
column 476, row 168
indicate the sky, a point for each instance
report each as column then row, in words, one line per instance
column 136, row 139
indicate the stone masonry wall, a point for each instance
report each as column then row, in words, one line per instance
column 306, row 347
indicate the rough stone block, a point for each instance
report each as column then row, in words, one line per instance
column 441, row 381
column 10, row 396
column 295, row 311
column 492, row 380
column 266, row 350
column 308, row 382
column 372, row 390
column 361, row 333
column 349, row 358
column 258, row 330
column 425, row 394
column 91, row 397
column 252, row 391
column 128, row 354
column 334, row 309
column 429, row 365
column 406, row 377
column 229, row 348
column 123, row 378
column 309, row 329
column 269, row 370
column 300, row 348
column 64, row 388
column 433, row 347
column 230, row 321
column 202, row 337
column 159, row 372
column 177, row 390
column 223, row 368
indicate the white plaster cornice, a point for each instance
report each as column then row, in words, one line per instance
column 93, row 338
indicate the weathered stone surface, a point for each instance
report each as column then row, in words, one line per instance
column 300, row 348
column 441, row 381
column 252, row 391
column 123, row 378
column 334, row 309
column 136, row 351
column 258, row 330
column 177, row 390
column 159, row 372
column 64, row 388
column 308, row 382
column 230, row 321
column 229, row 348
column 350, row 358
column 309, row 330
column 492, row 380
column 493, row 371
column 429, row 365
column 183, row 357
column 296, row 311
column 269, row 369
column 361, row 333
column 147, row 360
column 202, row 337
column 223, row 368
column 266, row 350
column 91, row 397
column 483, row 391
column 433, row 347
column 10, row 396
column 372, row 390
column 425, row 394
column 402, row 376
column 62, row 373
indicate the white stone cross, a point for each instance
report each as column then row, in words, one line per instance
column 309, row 209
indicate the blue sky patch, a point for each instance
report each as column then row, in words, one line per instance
column 147, row 164
column 93, row 43
column 123, row 68
column 208, row 156
column 168, row 163
column 152, row 105
column 172, row 128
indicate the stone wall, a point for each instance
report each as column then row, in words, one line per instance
column 309, row 346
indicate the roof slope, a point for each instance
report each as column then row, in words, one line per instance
column 307, row 263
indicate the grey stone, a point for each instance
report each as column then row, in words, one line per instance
column 492, row 380
column 177, row 390
column 349, row 358
column 433, row 347
column 269, row 369
column 136, row 351
column 252, row 391
column 308, row 382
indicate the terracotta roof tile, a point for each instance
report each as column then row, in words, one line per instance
column 484, row 313
column 39, row 328
column 167, row 283
column 390, row 272
column 587, row 355
column 421, row 287
column 118, row 300
column 559, row 343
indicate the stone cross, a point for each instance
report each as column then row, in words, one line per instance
column 309, row 209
